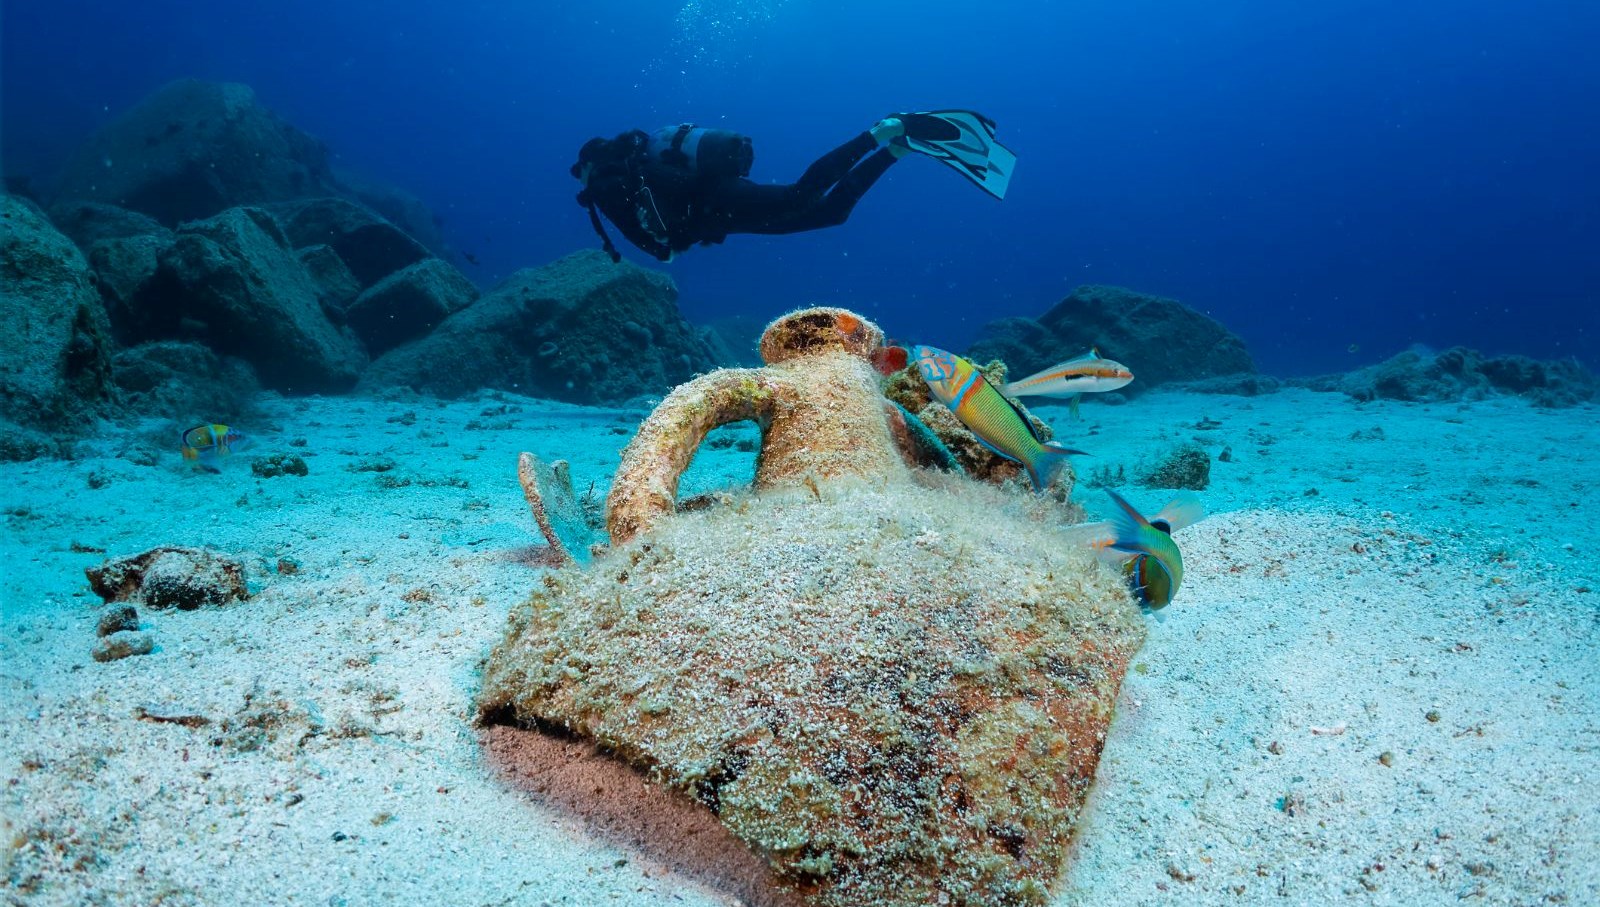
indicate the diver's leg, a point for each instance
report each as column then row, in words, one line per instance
column 833, row 166
column 834, row 208
column 746, row 207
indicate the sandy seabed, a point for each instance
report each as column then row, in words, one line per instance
column 1379, row 683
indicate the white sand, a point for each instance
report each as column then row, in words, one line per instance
column 340, row 765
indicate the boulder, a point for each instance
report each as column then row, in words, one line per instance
column 1160, row 339
column 236, row 279
column 1458, row 373
column 19, row 444
column 409, row 303
column 184, row 380
column 398, row 207
column 87, row 223
column 336, row 286
column 1240, row 384
column 123, row 249
column 1020, row 343
column 580, row 329
column 125, row 268
column 192, row 149
column 370, row 246
column 55, row 338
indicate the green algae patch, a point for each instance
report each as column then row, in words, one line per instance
column 897, row 694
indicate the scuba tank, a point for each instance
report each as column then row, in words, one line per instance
column 716, row 153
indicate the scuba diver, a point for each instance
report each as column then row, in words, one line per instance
column 687, row 184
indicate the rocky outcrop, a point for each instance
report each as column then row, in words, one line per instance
column 86, row 223
column 371, row 247
column 238, row 283
column 55, row 338
column 192, row 149
column 1459, row 373
column 409, row 303
column 124, row 249
column 336, row 286
column 170, row 377
column 398, row 207
column 1160, row 339
column 580, row 329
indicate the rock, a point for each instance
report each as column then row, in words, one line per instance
column 1420, row 376
column 879, row 717
column 276, row 465
column 1554, row 383
column 1160, row 339
column 1187, row 467
column 87, row 223
column 19, row 444
column 170, row 577
column 409, row 303
column 122, row 645
column 1019, row 343
column 398, row 207
column 194, row 148
column 117, row 618
column 123, row 248
column 55, row 338
column 370, row 246
column 572, row 330
column 126, row 268
column 1459, row 373
column 1243, row 385
column 235, row 275
column 336, row 286
column 170, row 377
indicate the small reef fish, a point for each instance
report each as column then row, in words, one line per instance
column 1150, row 558
column 1086, row 374
column 997, row 422
column 203, row 445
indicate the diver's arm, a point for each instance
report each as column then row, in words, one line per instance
column 627, row 223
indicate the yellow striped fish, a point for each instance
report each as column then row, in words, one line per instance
column 996, row 421
column 204, row 444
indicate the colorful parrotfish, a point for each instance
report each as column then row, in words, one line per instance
column 203, row 445
column 1144, row 547
column 997, row 422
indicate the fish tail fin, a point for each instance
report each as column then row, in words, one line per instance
column 1048, row 465
column 1125, row 521
column 1184, row 510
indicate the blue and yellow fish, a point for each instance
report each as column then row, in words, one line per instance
column 996, row 422
column 203, row 445
column 1151, row 559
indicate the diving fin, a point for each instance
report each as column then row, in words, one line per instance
column 964, row 141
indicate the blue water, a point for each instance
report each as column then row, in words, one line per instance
column 1321, row 177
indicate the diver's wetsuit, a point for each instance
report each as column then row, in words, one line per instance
column 695, row 209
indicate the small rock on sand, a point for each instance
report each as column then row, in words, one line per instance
column 122, row 644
